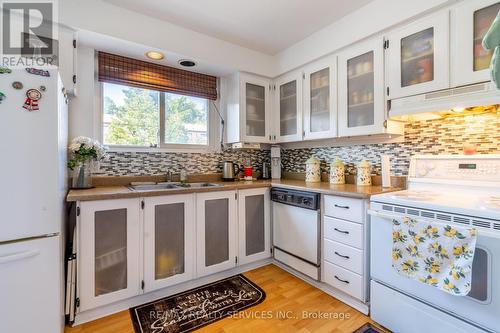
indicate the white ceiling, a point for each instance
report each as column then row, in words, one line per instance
column 137, row 51
column 268, row 26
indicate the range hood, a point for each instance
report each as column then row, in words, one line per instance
column 447, row 102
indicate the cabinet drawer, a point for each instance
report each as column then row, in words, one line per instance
column 344, row 208
column 347, row 281
column 345, row 232
column 343, row 256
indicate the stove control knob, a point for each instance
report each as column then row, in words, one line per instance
column 306, row 201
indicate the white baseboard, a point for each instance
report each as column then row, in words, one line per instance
column 89, row 315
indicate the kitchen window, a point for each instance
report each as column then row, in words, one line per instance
column 142, row 118
column 146, row 106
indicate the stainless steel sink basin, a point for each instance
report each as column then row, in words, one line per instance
column 154, row 187
column 199, row 185
column 169, row 186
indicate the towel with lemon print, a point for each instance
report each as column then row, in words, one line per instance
column 436, row 254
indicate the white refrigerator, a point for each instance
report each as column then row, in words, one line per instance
column 33, row 188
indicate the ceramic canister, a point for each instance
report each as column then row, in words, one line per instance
column 313, row 173
column 337, row 172
column 364, row 177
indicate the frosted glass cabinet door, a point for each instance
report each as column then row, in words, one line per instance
column 471, row 21
column 361, row 79
column 254, row 225
column 216, row 232
column 168, row 240
column 288, row 97
column 418, row 57
column 360, row 89
column 320, row 99
column 255, row 109
column 109, row 251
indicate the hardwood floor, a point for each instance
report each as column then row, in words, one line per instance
column 286, row 294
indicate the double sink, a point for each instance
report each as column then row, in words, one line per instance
column 169, row 186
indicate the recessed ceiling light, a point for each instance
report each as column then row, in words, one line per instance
column 187, row 63
column 154, row 55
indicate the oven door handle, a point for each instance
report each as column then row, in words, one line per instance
column 480, row 231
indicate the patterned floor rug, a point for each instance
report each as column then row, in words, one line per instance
column 192, row 309
column 368, row 328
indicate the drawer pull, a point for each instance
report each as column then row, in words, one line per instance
column 345, row 281
column 342, row 256
column 343, row 207
column 341, row 231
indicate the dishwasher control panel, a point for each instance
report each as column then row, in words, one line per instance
column 301, row 199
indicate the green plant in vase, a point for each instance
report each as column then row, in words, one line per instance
column 84, row 153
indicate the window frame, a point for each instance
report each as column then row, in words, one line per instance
column 213, row 129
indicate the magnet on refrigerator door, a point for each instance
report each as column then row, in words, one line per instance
column 17, row 85
column 32, row 98
column 5, row 70
column 36, row 71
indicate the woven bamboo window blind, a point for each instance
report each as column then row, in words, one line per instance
column 141, row 74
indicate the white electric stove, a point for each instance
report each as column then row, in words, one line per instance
column 452, row 189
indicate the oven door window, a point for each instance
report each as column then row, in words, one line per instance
column 480, row 273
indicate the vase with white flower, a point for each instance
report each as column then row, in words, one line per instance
column 85, row 154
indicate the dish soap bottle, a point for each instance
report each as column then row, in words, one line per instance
column 183, row 176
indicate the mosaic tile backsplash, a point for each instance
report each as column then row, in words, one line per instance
column 445, row 136
column 144, row 163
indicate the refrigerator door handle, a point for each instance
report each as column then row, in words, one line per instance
column 19, row 256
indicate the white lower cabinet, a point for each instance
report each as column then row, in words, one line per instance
column 109, row 251
column 169, row 240
column 215, row 232
column 127, row 247
column 345, row 256
column 344, row 280
column 254, row 225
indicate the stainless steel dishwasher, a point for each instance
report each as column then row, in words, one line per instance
column 296, row 230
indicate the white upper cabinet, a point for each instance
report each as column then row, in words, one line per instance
column 470, row 21
column 320, row 99
column 361, row 89
column 255, row 108
column 288, row 108
column 418, row 57
column 67, row 59
column 248, row 108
